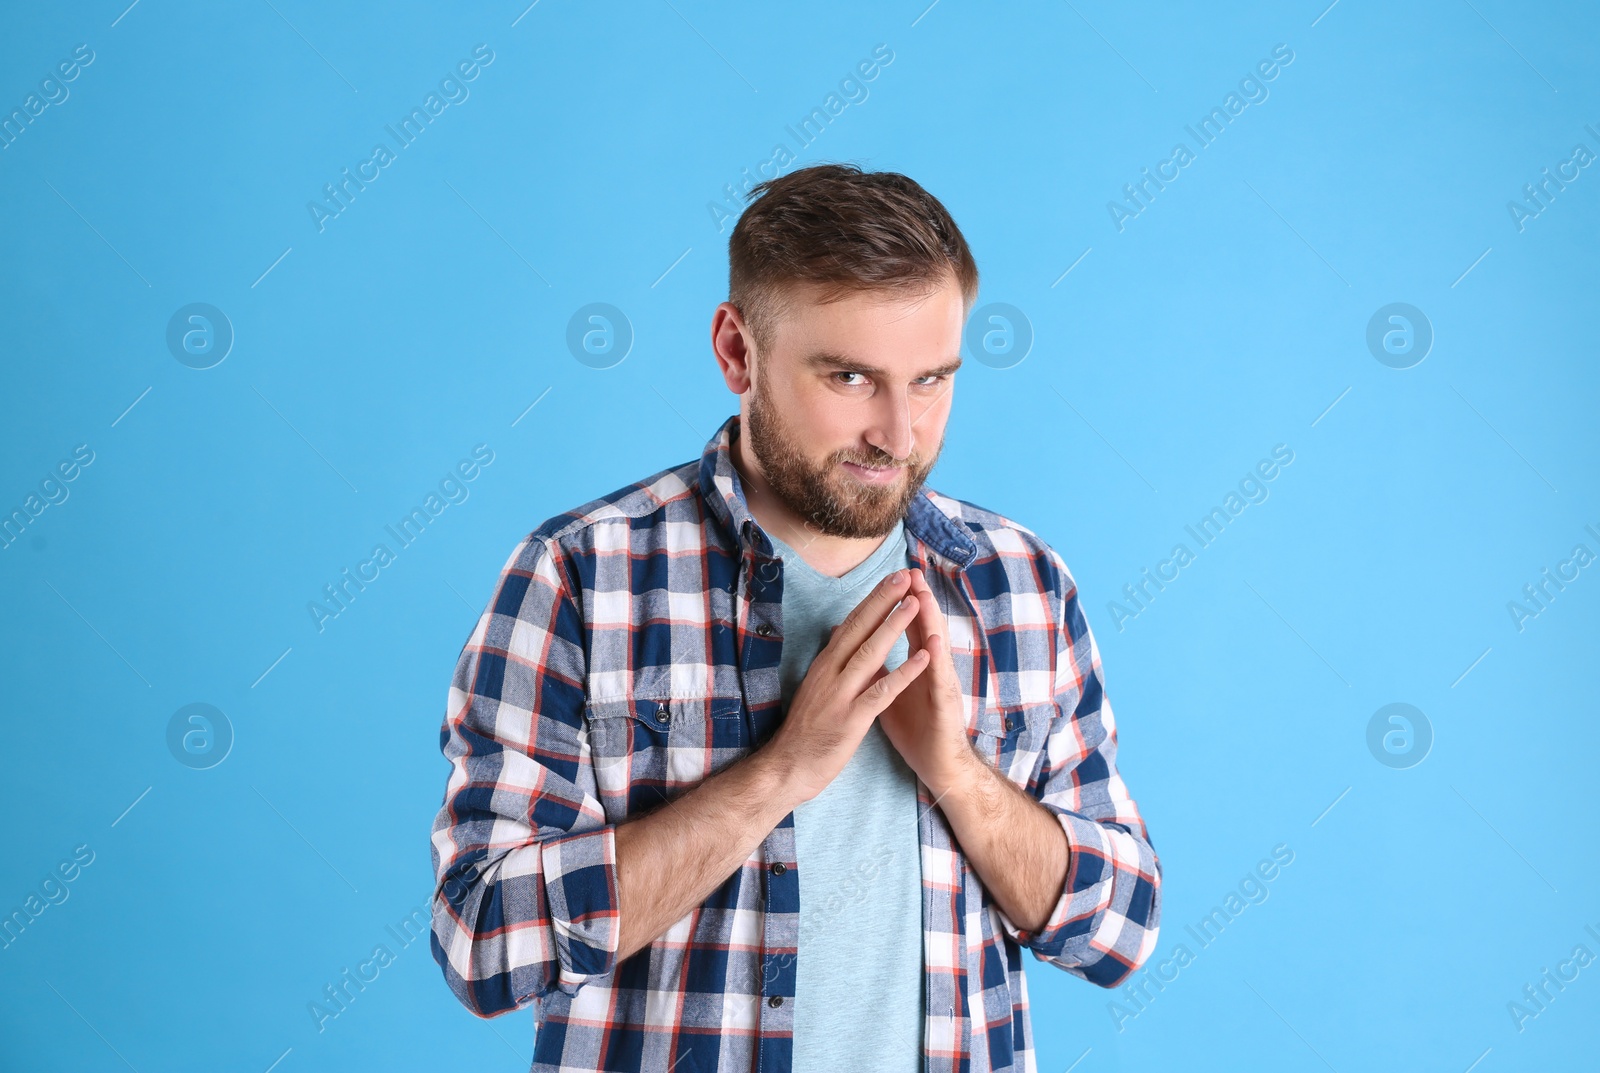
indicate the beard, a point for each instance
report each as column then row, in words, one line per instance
column 827, row 498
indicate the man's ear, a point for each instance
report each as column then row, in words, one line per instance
column 732, row 345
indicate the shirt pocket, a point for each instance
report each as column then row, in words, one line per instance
column 644, row 751
column 1010, row 737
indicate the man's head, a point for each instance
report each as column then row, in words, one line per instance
column 847, row 294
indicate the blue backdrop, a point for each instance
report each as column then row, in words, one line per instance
column 252, row 318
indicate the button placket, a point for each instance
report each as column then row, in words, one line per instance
column 761, row 598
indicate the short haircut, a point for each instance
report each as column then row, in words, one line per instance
column 846, row 229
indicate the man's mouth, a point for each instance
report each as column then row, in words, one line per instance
column 873, row 474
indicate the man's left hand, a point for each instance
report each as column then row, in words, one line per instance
column 927, row 722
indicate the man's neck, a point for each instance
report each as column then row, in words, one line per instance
column 829, row 555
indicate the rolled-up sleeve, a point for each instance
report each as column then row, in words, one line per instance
column 1105, row 923
column 525, row 895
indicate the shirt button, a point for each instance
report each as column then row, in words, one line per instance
column 764, row 630
column 775, row 1001
column 1011, row 723
column 778, row 868
column 662, row 715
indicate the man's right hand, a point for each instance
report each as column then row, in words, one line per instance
column 844, row 690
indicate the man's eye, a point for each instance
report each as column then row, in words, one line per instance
column 921, row 381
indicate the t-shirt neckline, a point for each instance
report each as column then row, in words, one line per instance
column 857, row 574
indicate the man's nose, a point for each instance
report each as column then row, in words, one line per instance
column 894, row 434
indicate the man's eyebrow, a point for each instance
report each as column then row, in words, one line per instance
column 824, row 359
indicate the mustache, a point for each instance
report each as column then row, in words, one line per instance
column 884, row 462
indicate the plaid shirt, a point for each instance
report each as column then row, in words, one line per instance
column 631, row 650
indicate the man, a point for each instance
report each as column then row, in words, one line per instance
column 777, row 759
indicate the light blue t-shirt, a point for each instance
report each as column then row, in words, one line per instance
column 858, row 978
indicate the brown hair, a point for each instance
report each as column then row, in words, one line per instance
column 847, row 229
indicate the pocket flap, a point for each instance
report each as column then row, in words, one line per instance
column 662, row 711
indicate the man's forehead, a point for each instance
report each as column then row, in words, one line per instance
column 805, row 303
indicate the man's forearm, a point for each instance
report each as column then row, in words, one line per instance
column 670, row 860
column 1014, row 843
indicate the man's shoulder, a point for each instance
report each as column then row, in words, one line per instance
column 978, row 519
column 665, row 493
column 1000, row 539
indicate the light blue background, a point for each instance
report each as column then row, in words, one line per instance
column 431, row 314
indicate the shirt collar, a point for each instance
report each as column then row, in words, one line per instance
column 723, row 493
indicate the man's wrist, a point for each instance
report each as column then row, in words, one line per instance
column 965, row 773
column 769, row 780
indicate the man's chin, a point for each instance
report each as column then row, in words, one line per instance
column 885, row 514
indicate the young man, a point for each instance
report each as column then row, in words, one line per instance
column 777, row 759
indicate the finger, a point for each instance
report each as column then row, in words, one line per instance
column 881, row 672
column 883, row 668
column 927, row 629
column 865, row 617
column 919, row 585
column 882, row 692
column 917, row 630
column 938, row 644
column 929, row 622
column 932, row 631
column 870, row 655
column 919, row 582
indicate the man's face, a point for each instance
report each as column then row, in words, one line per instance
column 847, row 408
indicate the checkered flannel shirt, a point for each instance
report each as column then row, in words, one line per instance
column 629, row 651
